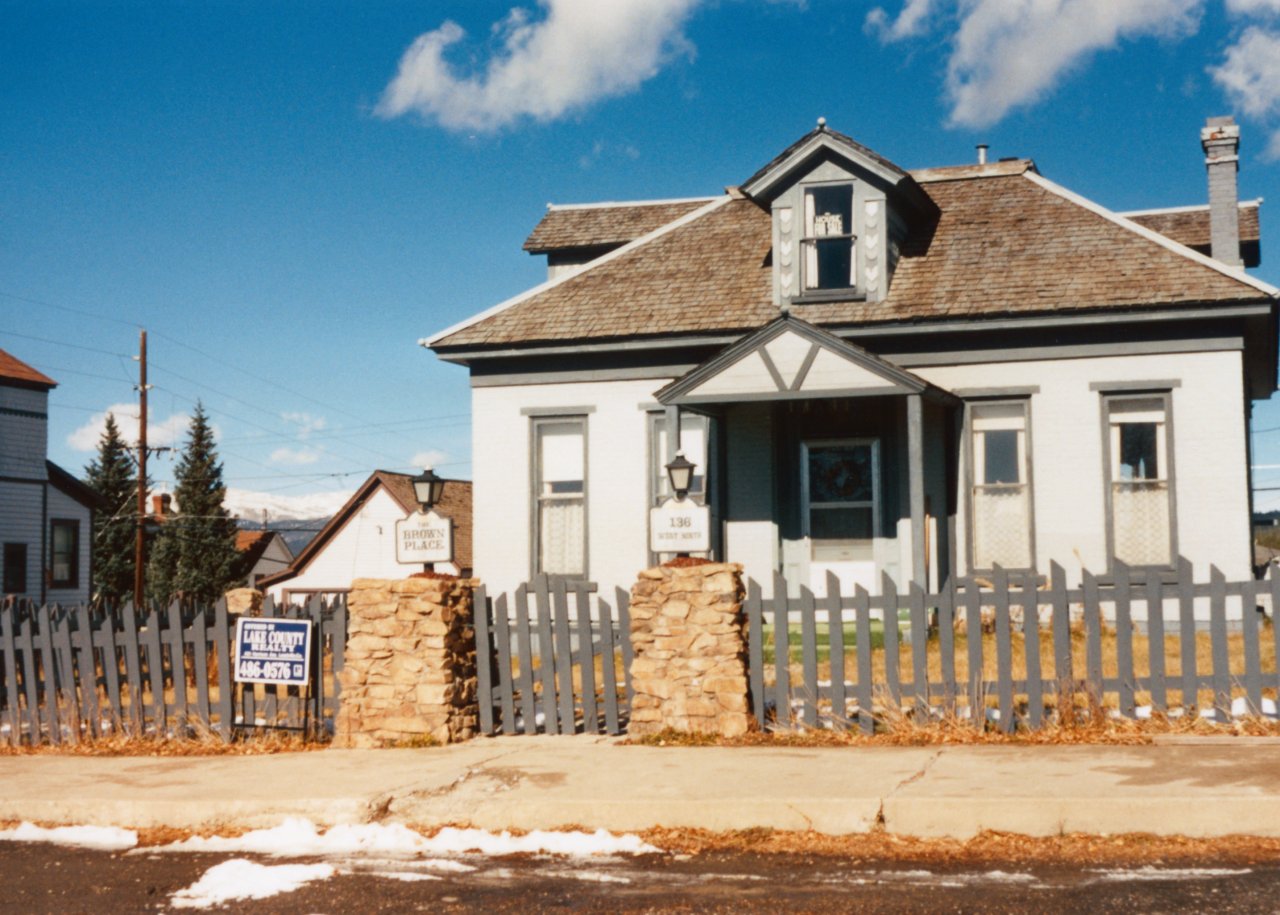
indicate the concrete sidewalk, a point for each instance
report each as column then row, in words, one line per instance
column 1194, row 788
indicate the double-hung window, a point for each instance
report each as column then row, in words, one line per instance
column 560, row 491
column 694, row 442
column 829, row 262
column 1000, row 492
column 64, row 566
column 1139, row 479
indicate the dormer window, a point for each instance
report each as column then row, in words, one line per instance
column 829, row 262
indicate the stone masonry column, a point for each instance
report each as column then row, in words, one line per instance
column 410, row 667
column 688, row 632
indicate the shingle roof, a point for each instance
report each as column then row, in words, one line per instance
column 1190, row 225
column 1007, row 243
column 604, row 224
column 14, row 369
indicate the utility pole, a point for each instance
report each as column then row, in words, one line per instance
column 140, row 547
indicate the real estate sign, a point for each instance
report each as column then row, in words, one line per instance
column 424, row 537
column 680, row 526
column 273, row 651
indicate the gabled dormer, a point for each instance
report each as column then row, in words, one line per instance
column 840, row 216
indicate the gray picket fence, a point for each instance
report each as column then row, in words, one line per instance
column 69, row 673
column 547, row 664
column 1017, row 652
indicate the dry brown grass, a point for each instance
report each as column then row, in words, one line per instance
column 199, row 745
column 1143, row 648
column 988, row 848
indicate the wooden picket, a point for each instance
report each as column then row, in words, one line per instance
column 538, row 652
column 72, row 673
column 1019, row 667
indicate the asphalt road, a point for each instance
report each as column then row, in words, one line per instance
column 44, row 878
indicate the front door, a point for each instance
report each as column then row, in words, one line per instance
column 841, row 493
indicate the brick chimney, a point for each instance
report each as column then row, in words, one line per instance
column 1220, row 138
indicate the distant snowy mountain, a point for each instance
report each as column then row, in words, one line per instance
column 271, row 507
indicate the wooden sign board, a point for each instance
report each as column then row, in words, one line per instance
column 680, row 526
column 424, row 538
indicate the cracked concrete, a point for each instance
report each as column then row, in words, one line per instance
column 552, row 782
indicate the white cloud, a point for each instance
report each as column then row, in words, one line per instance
column 305, row 422
column 160, row 433
column 1253, row 7
column 294, row 456
column 1250, row 75
column 1009, row 53
column 911, row 21
column 580, row 52
column 429, row 458
column 248, row 504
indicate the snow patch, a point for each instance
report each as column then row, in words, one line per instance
column 241, row 879
column 1148, row 872
column 594, row 876
column 98, row 838
column 297, row 838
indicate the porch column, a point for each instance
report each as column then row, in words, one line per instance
column 915, row 476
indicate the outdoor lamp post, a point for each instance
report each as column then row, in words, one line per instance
column 428, row 489
column 680, row 473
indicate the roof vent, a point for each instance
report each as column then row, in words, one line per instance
column 982, row 153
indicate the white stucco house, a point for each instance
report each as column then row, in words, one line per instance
column 877, row 371
column 359, row 540
column 46, row 514
column 262, row 554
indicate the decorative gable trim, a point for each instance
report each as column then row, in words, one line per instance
column 1163, row 241
column 766, row 181
column 715, row 204
column 790, row 359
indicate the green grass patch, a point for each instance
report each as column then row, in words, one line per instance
column 823, row 638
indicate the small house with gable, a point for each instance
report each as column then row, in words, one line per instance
column 46, row 514
column 878, row 372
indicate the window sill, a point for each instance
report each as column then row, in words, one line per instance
column 834, row 295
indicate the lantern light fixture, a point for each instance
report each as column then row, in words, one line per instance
column 680, row 475
column 428, row 489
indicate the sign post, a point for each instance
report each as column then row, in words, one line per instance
column 680, row 526
column 424, row 537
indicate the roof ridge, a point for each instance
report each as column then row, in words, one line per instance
column 1151, row 235
column 630, row 246
column 610, row 204
column 1189, row 208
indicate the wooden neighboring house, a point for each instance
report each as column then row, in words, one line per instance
column 46, row 514
column 262, row 554
column 359, row 541
column 878, row 372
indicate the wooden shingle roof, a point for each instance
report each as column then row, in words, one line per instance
column 15, row 371
column 1190, row 226
column 597, row 225
column 1007, row 242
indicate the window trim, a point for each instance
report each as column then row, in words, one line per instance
column 537, row 420
column 22, row 567
column 1107, row 397
column 73, row 581
column 970, row 462
column 803, row 240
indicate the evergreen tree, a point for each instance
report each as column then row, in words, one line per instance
column 195, row 553
column 114, row 478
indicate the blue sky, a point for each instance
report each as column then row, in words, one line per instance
column 289, row 195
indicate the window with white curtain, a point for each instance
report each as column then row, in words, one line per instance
column 1139, row 479
column 560, row 485
column 1000, row 495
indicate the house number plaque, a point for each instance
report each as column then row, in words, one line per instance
column 680, row 527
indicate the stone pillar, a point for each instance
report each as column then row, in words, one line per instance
column 409, row 674
column 244, row 602
column 688, row 630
